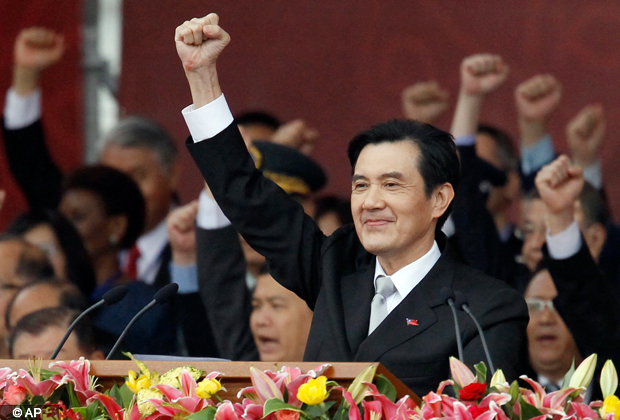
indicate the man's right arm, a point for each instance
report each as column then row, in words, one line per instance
column 270, row 221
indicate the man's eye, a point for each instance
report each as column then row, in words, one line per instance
column 359, row 186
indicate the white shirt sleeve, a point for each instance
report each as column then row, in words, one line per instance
column 210, row 216
column 21, row 111
column 594, row 174
column 564, row 244
column 208, row 120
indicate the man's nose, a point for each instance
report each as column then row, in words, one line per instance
column 374, row 199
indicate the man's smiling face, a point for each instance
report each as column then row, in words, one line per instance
column 393, row 216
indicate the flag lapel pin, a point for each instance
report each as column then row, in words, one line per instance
column 412, row 321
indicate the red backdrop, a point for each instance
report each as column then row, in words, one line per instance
column 62, row 85
column 342, row 65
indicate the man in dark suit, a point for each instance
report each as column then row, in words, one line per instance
column 403, row 184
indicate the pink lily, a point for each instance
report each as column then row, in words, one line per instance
column 43, row 388
column 372, row 410
column 461, row 413
column 354, row 411
column 398, row 410
column 185, row 398
column 5, row 377
column 251, row 411
column 77, row 372
column 461, row 373
column 552, row 403
column 437, row 404
column 227, row 411
column 582, row 411
column 115, row 411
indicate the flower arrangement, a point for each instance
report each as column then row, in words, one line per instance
column 289, row 394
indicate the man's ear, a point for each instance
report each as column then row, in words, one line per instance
column 442, row 196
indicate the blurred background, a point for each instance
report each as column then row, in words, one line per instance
column 339, row 65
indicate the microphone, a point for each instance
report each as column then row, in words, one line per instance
column 461, row 302
column 109, row 298
column 163, row 295
column 447, row 295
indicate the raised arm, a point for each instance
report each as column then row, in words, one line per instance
column 36, row 49
column 481, row 74
column 585, row 300
column 269, row 220
column 585, row 134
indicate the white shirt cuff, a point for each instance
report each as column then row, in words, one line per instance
column 210, row 216
column 564, row 244
column 594, row 174
column 21, row 111
column 208, row 120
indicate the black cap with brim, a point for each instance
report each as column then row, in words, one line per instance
column 293, row 171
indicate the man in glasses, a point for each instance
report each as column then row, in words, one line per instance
column 551, row 345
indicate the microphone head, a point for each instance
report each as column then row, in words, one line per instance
column 164, row 294
column 461, row 300
column 446, row 294
column 115, row 295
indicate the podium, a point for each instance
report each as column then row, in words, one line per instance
column 236, row 375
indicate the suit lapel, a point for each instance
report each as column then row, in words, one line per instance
column 357, row 293
column 417, row 307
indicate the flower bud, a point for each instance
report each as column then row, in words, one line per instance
column 583, row 375
column 609, row 379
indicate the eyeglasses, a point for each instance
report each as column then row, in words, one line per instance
column 539, row 305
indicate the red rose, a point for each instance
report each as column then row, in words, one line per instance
column 473, row 391
column 475, row 411
column 15, row 394
column 287, row 415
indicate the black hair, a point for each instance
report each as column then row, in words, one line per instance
column 438, row 163
column 70, row 297
column 37, row 322
column 119, row 194
column 79, row 269
column 505, row 146
column 258, row 118
column 331, row 203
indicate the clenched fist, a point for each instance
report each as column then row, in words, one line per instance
column 585, row 134
column 481, row 74
column 425, row 101
column 538, row 97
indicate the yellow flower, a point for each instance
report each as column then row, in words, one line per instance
column 611, row 405
column 314, row 391
column 207, row 388
column 136, row 383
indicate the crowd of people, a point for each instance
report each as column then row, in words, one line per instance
column 269, row 269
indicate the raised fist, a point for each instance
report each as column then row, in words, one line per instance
column 425, row 101
column 200, row 41
column 481, row 74
column 559, row 185
column 585, row 134
column 38, row 48
column 298, row 135
column 181, row 224
column 538, row 97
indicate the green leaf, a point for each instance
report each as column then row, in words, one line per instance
column 127, row 395
column 385, row 387
column 73, row 399
column 47, row 374
column 481, row 372
column 568, row 375
column 319, row 409
column 514, row 391
column 206, row 414
column 342, row 413
column 274, row 404
column 92, row 410
column 37, row 400
column 528, row 411
column 115, row 393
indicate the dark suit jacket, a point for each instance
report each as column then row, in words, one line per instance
column 223, row 289
column 335, row 277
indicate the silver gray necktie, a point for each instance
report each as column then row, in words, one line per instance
column 378, row 307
